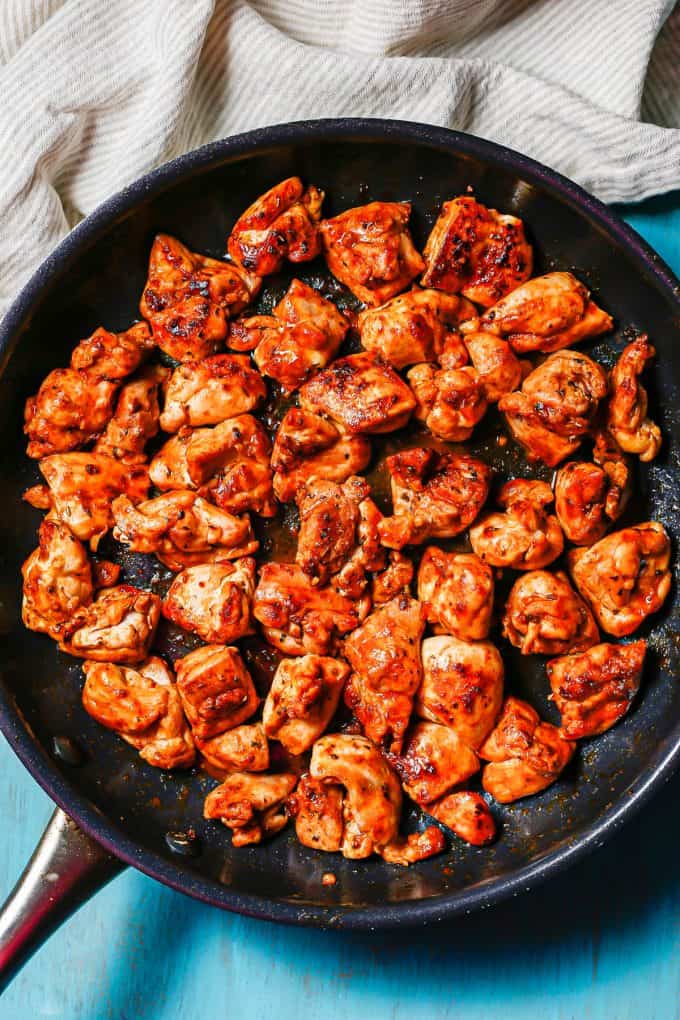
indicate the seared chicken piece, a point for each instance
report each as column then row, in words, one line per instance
column 625, row 577
column 525, row 537
column 210, row 391
column 450, row 402
column 182, row 529
column 457, row 590
column 216, row 689
column 302, row 700
column 281, row 224
column 556, row 406
column 433, row 760
column 545, row 616
column 301, row 336
column 546, row 314
column 118, row 627
column 418, row 846
column 415, row 327
column 252, row 806
column 188, row 298
column 229, row 463
column 57, row 580
column 362, row 394
column 370, row 250
column 394, row 580
column 590, row 497
column 467, row 814
column 298, row 616
column 434, row 495
column 143, row 706
column 594, row 690
column 525, row 754
column 243, row 749
column 627, row 412
column 316, row 807
column 73, row 405
column 462, row 686
column 384, row 654
column 498, row 369
column 213, row 600
column 307, row 445
column 136, row 418
column 476, row 251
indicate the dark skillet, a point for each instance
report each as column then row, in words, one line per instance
column 96, row 276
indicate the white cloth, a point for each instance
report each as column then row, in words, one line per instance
column 94, row 93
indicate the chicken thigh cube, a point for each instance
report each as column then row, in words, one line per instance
column 590, row 497
column 457, row 589
column 545, row 616
column 302, row 700
column 316, row 807
column 216, row 689
column 309, row 446
column 118, row 627
column 498, row 369
column 450, row 402
column 281, row 224
column 525, row 537
column 432, row 761
column 627, row 418
column 213, row 600
column 253, row 806
column 211, row 391
column 136, row 418
column 243, row 749
column 467, row 814
column 58, row 581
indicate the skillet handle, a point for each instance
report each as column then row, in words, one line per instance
column 67, row 867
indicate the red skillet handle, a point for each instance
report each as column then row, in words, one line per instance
column 67, row 867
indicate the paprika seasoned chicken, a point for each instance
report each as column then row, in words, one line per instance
column 243, row 749
column 182, row 529
column 394, row 580
column 526, row 536
column 210, row 391
column 281, row 224
column 556, row 406
column 499, row 370
column 545, row 616
column 546, row 314
column 450, row 402
column 309, row 446
column 216, row 689
column 252, row 806
column 467, row 814
column 432, row 761
column 434, row 495
column 457, row 590
column 317, row 808
column 476, row 251
column 136, row 418
column 188, row 299
column 525, row 755
column 142, row 705
column 370, row 250
column 58, row 581
column 591, row 497
column 594, row 690
column 627, row 411
column 302, row 700
column 625, row 577
column 213, row 600
column 118, row 627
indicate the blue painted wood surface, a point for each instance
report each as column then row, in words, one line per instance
column 599, row 943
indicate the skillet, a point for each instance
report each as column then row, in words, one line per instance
column 115, row 810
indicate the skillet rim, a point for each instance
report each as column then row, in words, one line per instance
column 36, row 759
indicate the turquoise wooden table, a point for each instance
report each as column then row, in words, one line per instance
column 602, row 941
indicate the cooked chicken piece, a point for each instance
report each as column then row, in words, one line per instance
column 281, row 224
column 498, row 368
column 216, row 689
column 525, row 537
column 105, row 574
column 57, row 581
column 418, row 846
column 213, row 600
column 229, row 463
column 546, row 314
column 243, row 749
column 477, row 251
column 307, row 445
column 467, row 814
column 384, row 653
column 545, row 616
column 434, row 495
column 73, row 405
column 462, row 686
column 590, row 497
column 182, row 529
column 136, row 418
column 556, row 406
column 210, row 391
column 143, row 706
column 301, row 336
column 361, row 393
column 316, row 807
column 118, row 627
column 457, row 590
column 433, row 760
column 417, row 326
column 302, row 700
column 252, row 806
column 370, row 250
column 449, row 402
column 594, row 690
column 394, row 580
column 625, row 577
column 299, row 617
column 525, row 754
column 188, row 298
column 627, row 412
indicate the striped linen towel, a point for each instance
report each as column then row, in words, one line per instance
column 96, row 92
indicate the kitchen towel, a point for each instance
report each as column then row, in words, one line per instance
column 96, row 92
